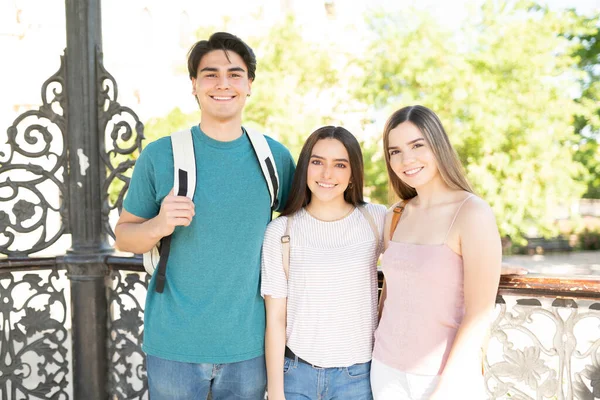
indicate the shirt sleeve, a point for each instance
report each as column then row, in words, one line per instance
column 378, row 211
column 273, row 280
column 141, row 195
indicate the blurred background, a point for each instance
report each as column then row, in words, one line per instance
column 516, row 84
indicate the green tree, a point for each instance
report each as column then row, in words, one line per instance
column 376, row 181
column 174, row 121
column 294, row 90
column 586, row 36
column 502, row 89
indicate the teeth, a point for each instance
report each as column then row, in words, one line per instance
column 326, row 185
column 222, row 98
column 413, row 171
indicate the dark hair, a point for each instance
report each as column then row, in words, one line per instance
column 431, row 127
column 300, row 194
column 221, row 41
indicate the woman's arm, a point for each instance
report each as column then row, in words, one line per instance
column 274, row 290
column 482, row 257
column 275, row 345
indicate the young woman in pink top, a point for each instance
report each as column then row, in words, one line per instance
column 442, row 269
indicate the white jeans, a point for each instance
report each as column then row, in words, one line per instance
column 388, row 383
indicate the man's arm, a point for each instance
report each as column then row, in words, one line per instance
column 138, row 235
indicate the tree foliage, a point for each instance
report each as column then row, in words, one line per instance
column 503, row 90
column 517, row 91
column 175, row 121
column 292, row 93
column 586, row 36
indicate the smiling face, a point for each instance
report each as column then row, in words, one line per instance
column 411, row 157
column 221, row 86
column 329, row 172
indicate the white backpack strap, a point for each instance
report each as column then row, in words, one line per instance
column 267, row 164
column 184, row 184
column 184, row 161
column 369, row 217
column 285, row 246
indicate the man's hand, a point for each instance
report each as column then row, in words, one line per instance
column 174, row 211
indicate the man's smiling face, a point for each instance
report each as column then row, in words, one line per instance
column 221, row 86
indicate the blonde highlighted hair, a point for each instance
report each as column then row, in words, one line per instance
column 451, row 170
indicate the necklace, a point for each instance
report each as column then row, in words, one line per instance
column 330, row 220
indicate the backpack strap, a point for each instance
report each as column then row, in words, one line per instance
column 398, row 210
column 369, row 217
column 285, row 246
column 184, row 162
column 184, row 184
column 267, row 164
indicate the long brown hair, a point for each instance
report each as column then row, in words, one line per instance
column 300, row 194
column 429, row 124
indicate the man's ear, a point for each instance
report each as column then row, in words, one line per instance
column 194, row 86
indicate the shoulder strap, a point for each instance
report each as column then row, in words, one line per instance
column 285, row 246
column 369, row 217
column 456, row 215
column 398, row 210
column 184, row 161
column 184, row 184
column 267, row 164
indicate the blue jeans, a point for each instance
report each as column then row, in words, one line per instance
column 303, row 381
column 172, row 380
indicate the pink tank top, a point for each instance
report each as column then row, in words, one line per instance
column 424, row 306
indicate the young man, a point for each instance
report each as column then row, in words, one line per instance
column 206, row 330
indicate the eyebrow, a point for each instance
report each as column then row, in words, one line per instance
column 415, row 140
column 323, row 158
column 408, row 144
column 213, row 69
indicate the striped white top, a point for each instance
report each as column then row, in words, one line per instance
column 332, row 288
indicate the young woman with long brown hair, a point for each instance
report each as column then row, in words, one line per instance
column 322, row 315
column 442, row 267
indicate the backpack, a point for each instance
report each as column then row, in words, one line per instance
column 184, row 184
column 285, row 239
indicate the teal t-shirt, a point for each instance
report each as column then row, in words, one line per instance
column 211, row 310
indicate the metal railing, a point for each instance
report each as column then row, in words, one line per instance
column 545, row 337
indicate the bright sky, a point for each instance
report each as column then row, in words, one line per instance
column 452, row 12
column 456, row 5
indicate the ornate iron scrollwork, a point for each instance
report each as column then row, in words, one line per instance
column 550, row 350
column 34, row 361
column 33, row 170
column 116, row 124
column 127, row 362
